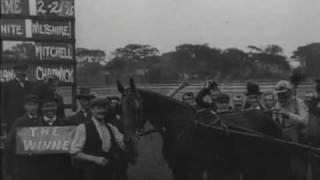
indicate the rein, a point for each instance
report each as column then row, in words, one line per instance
column 145, row 133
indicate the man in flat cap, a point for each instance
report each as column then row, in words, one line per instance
column 98, row 144
column 84, row 98
column 13, row 95
column 53, row 166
column 290, row 111
column 21, row 167
column 49, row 88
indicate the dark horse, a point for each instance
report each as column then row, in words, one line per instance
column 192, row 149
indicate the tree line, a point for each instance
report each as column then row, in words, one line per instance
column 197, row 61
column 200, row 61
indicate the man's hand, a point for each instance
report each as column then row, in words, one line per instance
column 101, row 161
column 207, row 84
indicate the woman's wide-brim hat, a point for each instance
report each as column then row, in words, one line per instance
column 253, row 89
column 85, row 93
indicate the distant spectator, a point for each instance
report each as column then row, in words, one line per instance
column 115, row 104
column 211, row 89
column 114, row 111
column 308, row 97
column 269, row 101
column 84, row 98
column 315, row 103
column 253, row 97
column 237, row 103
column 223, row 103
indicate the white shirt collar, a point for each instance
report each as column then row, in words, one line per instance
column 97, row 122
column 48, row 120
column 32, row 117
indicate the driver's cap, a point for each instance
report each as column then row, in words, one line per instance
column 283, row 86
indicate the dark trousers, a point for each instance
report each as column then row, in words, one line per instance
column 96, row 172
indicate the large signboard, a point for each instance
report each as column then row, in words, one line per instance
column 36, row 29
column 54, row 51
column 65, row 73
column 44, row 140
column 13, row 28
column 60, row 8
column 52, row 29
column 15, row 7
column 55, row 7
column 38, row 51
column 6, row 75
column 41, row 34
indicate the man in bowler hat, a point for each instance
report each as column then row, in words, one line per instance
column 84, row 98
column 253, row 97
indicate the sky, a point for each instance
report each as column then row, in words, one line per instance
column 164, row 24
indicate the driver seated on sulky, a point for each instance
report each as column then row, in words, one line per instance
column 212, row 91
column 290, row 112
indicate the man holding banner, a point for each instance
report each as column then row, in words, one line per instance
column 98, row 144
column 21, row 167
column 38, row 146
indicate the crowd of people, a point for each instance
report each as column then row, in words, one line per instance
column 98, row 149
column 288, row 110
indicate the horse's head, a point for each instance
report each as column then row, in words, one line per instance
column 132, row 112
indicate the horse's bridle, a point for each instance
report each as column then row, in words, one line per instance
column 139, row 116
